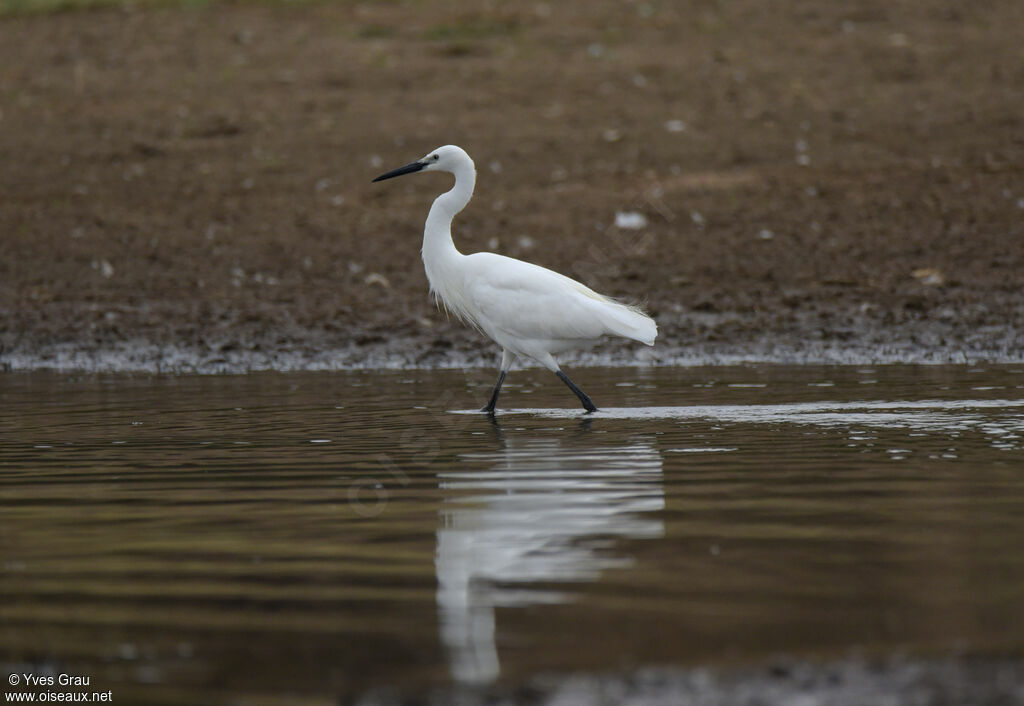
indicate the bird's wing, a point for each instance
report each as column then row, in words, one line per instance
column 531, row 302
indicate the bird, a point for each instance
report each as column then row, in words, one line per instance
column 528, row 310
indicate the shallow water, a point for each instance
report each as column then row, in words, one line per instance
column 276, row 537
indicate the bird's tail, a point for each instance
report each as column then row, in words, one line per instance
column 630, row 322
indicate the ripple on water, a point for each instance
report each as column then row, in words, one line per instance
column 399, row 544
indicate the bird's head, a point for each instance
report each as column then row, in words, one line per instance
column 448, row 158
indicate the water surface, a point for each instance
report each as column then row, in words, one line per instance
column 276, row 537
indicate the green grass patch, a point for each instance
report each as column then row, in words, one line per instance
column 42, row 7
column 473, row 29
column 373, row 31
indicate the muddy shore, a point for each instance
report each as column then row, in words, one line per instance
column 189, row 189
column 949, row 681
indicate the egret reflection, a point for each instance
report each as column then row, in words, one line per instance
column 535, row 511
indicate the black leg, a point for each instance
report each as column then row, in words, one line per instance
column 494, row 395
column 588, row 404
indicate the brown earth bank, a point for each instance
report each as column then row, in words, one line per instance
column 190, row 188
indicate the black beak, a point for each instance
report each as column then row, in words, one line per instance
column 407, row 169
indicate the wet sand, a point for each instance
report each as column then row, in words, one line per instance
column 190, row 189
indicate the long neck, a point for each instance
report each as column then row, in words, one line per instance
column 438, row 248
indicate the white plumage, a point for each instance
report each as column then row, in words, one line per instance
column 528, row 310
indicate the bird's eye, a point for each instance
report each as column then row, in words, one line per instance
column 435, row 158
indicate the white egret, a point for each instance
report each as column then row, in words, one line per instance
column 528, row 310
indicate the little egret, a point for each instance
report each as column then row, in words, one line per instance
column 528, row 310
